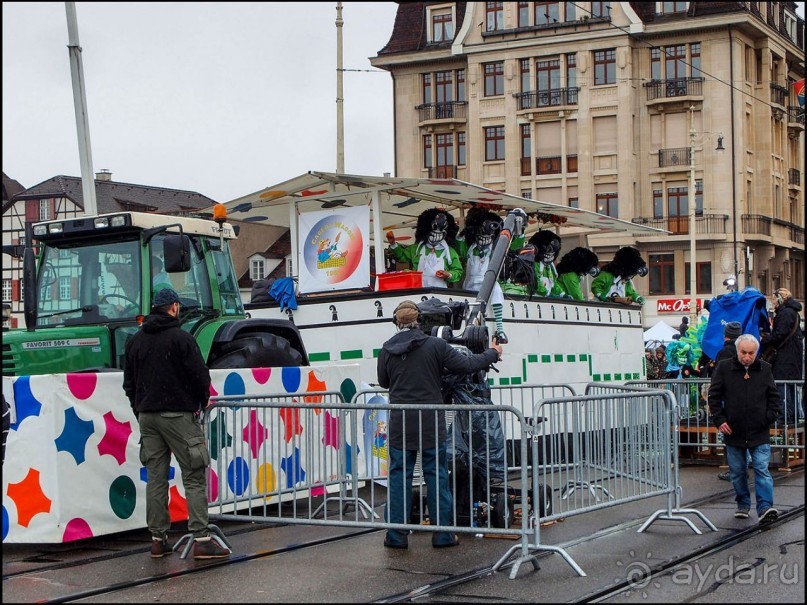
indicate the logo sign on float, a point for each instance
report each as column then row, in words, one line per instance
column 676, row 305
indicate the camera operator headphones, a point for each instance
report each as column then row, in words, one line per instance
column 404, row 306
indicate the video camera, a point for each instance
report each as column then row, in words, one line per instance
column 440, row 318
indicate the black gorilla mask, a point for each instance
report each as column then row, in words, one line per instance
column 438, row 231
column 549, row 252
column 486, row 233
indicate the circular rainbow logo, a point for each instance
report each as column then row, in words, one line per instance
column 333, row 249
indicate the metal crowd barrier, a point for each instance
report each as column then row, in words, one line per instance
column 312, row 458
column 620, row 443
column 701, row 442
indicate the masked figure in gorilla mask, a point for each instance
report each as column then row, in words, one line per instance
column 475, row 246
column 574, row 265
column 432, row 253
column 547, row 246
column 615, row 281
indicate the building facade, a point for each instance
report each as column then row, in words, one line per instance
column 624, row 108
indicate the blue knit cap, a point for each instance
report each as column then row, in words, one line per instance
column 164, row 297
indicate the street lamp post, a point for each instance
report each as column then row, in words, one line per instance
column 693, row 278
column 692, row 201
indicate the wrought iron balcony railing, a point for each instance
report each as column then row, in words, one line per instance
column 547, row 98
column 795, row 114
column 677, row 156
column 794, row 177
column 442, row 111
column 677, row 87
column 778, row 94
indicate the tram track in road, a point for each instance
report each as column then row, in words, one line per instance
column 613, row 589
column 199, row 567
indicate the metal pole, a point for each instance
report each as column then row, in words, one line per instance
column 82, row 121
column 693, row 295
column 340, row 100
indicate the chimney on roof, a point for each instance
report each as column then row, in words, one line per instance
column 104, row 175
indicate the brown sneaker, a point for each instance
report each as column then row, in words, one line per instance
column 207, row 548
column 160, row 548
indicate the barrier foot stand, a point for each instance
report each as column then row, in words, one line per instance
column 665, row 515
column 527, row 556
column 187, row 540
column 361, row 505
column 572, row 485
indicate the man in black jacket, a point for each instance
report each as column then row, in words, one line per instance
column 731, row 332
column 411, row 365
column 168, row 383
column 744, row 403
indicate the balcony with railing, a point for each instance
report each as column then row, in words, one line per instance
column 778, row 94
column 679, row 225
column 443, row 172
column 452, row 110
column 676, row 156
column 674, row 88
column 794, row 177
column 546, row 98
column 756, row 224
column 795, row 117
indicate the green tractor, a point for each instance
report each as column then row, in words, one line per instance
column 88, row 282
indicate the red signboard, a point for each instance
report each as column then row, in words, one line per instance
column 676, row 305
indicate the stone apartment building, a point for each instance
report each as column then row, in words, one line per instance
column 623, row 108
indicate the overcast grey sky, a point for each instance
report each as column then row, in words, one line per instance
column 218, row 98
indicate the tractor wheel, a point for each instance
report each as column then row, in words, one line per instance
column 256, row 350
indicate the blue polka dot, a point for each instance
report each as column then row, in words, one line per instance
column 292, row 377
column 238, row 476
column 234, row 385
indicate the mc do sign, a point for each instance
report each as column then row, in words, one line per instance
column 676, row 305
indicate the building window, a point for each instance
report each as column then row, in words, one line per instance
column 680, row 61
column 444, row 86
column 574, row 202
column 604, row 67
column 703, row 278
column 668, row 8
column 524, row 14
column 461, row 85
column 494, row 79
column 677, row 201
column 461, row 149
column 495, row 16
column 570, row 11
column 524, row 65
column 608, row 204
column 65, row 291
column 571, row 70
column 427, row 88
column 445, row 150
column 526, row 194
column 427, row 151
column 442, row 27
column 600, row 9
column 658, row 203
column 547, row 76
column 547, row 13
column 7, row 290
column 494, row 143
column 526, row 150
column 661, row 275
column 45, row 210
column 256, row 269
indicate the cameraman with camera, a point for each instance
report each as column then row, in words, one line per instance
column 411, row 365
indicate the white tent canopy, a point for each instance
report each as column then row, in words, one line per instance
column 661, row 332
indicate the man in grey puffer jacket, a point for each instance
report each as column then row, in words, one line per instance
column 411, row 365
